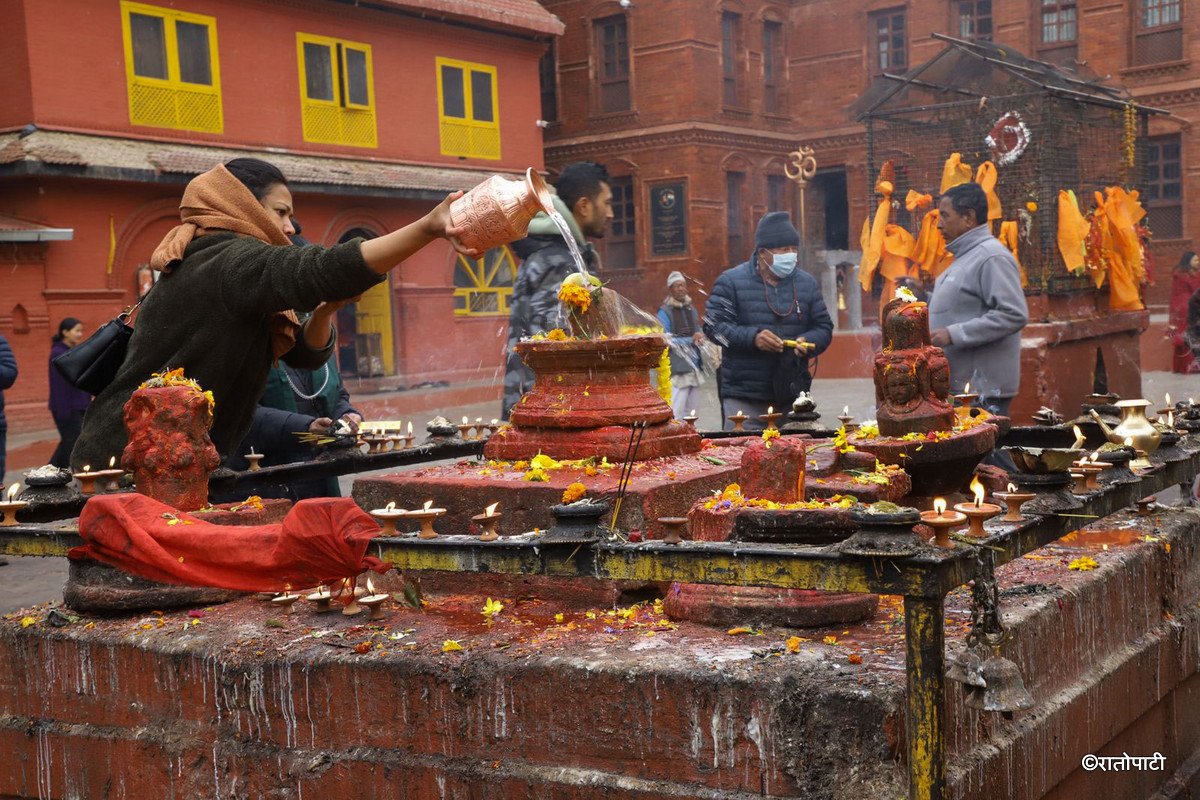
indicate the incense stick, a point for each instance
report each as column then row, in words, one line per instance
column 627, row 469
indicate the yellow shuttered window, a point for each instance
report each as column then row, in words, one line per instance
column 171, row 68
column 337, row 91
column 482, row 286
column 468, row 109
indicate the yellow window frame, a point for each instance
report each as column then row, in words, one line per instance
column 482, row 278
column 466, row 136
column 172, row 103
column 331, row 121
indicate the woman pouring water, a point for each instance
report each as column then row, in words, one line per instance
column 223, row 308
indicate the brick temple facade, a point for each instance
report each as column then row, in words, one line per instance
column 701, row 104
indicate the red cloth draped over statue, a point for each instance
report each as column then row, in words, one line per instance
column 320, row 541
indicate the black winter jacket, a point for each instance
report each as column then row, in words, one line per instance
column 738, row 309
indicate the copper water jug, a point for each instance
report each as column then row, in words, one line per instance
column 498, row 210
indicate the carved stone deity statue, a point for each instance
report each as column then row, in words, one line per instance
column 912, row 377
column 169, row 452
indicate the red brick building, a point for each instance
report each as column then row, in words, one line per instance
column 704, row 101
column 373, row 111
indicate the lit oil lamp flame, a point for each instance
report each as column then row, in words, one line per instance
column 770, row 409
column 1170, row 419
column 1168, row 399
column 428, row 504
column 845, row 411
column 1012, row 488
column 495, row 422
column 466, row 421
column 390, row 506
column 491, row 510
column 410, row 428
column 1078, row 437
column 967, row 388
column 12, row 491
column 977, row 488
column 692, row 413
column 112, row 462
column 87, row 467
column 1095, row 456
column 370, row 586
column 939, row 505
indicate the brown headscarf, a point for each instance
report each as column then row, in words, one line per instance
column 217, row 201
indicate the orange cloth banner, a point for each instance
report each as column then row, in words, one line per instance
column 1072, row 231
column 1009, row 234
column 986, row 176
column 954, row 172
column 929, row 251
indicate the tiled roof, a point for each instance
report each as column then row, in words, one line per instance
column 133, row 159
column 525, row 15
column 9, row 223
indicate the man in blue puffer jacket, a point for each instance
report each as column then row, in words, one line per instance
column 754, row 308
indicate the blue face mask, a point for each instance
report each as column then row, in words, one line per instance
column 783, row 264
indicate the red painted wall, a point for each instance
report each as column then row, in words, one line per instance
column 260, row 78
column 256, row 47
column 17, row 108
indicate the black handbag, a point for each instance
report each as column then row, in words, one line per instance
column 92, row 364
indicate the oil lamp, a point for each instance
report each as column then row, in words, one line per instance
column 387, row 517
column 942, row 522
column 967, row 397
column 770, row 418
column 253, row 458
column 351, row 588
column 465, row 428
column 112, row 475
column 286, row 600
column 738, row 420
column 846, row 418
column 425, row 517
column 977, row 512
column 1014, row 500
column 321, row 599
column 87, row 479
column 488, row 521
column 374, row 602
column 691, row 418
column 10, row 506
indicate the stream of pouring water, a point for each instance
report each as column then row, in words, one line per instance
column 572, row 245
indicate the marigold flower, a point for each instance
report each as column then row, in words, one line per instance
column 577, row 297
column 573, row 492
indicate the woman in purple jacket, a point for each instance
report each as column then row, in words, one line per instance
column 67, row 404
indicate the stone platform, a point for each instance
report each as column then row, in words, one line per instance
column 242, row 702
column 661, row 487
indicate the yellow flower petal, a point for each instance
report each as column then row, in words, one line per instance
column 451, row 646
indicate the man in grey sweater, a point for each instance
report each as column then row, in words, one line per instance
column 977, row 308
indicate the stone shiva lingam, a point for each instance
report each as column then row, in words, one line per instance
column 586, row 397
column 917, row 425
column 769, row 505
